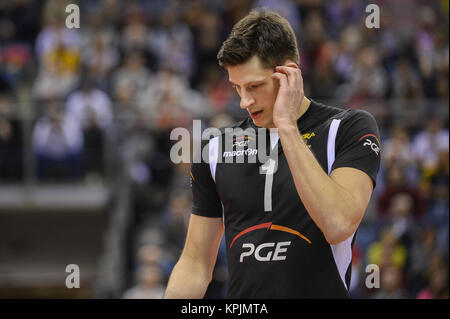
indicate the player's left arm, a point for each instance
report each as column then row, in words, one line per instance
column 359, row 187
column 335, row 202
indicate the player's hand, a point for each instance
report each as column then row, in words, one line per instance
column 290, row 95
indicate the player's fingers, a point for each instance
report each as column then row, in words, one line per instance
column 300, row 80
column 289, row 75
column 292, row 75
column 282, row 78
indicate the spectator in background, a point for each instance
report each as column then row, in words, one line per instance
column 148, row 275
column 437, row 281
column 19, row 25
column 58, row 53
column 441, row 103
column 342, row 13
column 125, row 109
column 397, row 183
column 11, row 140
column 133, row 74
column 217, row 90
column 406, row 81
column 149, row 284
column 391, row 285
column 397, row 148
column 135, row 30
column 93, row 158
column 314, row 37
column 400, row 218
column 54, row 33
column 58, row 144
column 387, row 250
column 112, row 11
column 20, row 21
column 99, row 47
column 172, row 42
column 441, row 51
column 421, row 253
column 206, row 31
column 425, row 48
column 97, row 27
column 139, row 149
column 324, row 79
column 15, row 57
column 91, row 109
column 88, row 101
column 390, row 42
column 56, row 77
column 349, row 42
column 169, row 101
column 438, row 206
column 175, row 221
column 368, row 84
column 428, row 143
column 181, row 176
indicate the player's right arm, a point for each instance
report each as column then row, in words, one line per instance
column 193, row 272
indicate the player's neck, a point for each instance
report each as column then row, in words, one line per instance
column 304, row 106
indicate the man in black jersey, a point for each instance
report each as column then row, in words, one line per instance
column 289, row 232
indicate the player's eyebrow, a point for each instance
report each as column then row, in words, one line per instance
column 249, row 82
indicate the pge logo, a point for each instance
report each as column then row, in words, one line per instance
column 373, row 145
column 279, row 249
column 273, row 251
column 240, row 143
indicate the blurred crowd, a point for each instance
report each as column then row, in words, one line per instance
column 72, row 99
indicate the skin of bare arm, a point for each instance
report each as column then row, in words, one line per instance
column 337, row 202
column 193, row 272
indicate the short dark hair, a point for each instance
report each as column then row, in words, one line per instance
column 263, row 33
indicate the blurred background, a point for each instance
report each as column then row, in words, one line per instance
column 86, row 115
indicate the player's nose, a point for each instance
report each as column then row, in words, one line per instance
column 247, row 101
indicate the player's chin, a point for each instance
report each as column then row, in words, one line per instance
column 265, row 124
column 260, row 122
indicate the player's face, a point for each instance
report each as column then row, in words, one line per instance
column 257, row 90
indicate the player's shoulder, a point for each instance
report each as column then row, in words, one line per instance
column 329, row 112
column 347, row 113
column 357, row 122
column 351, row 116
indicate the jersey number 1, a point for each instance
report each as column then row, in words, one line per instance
column 268, row 168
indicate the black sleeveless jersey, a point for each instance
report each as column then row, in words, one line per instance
column 274, row 248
